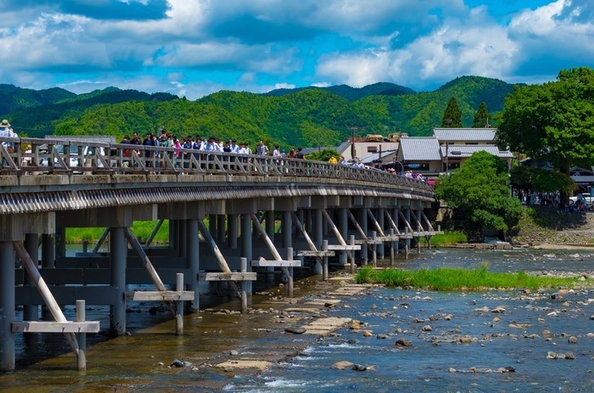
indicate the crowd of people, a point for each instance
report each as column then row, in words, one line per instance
column 211, row 144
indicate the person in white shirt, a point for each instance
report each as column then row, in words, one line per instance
column 6, row 131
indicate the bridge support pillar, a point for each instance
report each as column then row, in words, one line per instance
column 31, row 311
column 395, row 218
column 318, row 226
column 246, row 245
column 192, row 260
column 118, row 255
column 407, row 241
column 269, row 218
column 221, row 230
column 232, row 230
column 287, row 229
column 343, row 225
column 212, row 226
column 381, row 222
column 7, row 306
column 48, row 261
column 419, row 229
column 362, row 218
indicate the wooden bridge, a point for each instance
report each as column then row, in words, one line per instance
column 230, row 216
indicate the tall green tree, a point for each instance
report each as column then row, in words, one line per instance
column 479, row 196
column 553, row 122
column 452, row 116
column 482, row 118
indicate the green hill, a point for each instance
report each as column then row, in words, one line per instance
column 298, row 117
column 351, row 93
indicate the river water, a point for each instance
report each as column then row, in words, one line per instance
column 458, row 343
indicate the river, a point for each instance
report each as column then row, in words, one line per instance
column 494, row 341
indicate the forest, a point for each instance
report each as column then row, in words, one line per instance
column 306, row 117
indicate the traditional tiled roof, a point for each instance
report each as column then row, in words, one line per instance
column 376, row 156
column 420, row 149
column 464, row 134
column 466, row 151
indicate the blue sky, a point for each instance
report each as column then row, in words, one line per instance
column 193, row 48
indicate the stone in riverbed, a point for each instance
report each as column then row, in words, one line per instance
column 359, row 367
column 403, row 342
column 295, row 330
column 342, row 365
column 180, row 363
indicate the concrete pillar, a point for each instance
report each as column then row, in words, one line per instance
column 181, row 240
column 381, row 221
column 269, row 218
column 118, row 254
column 31, row 311
column 7, row 306
column 301, row 217
column 362, row 218
column 192, row 259
column 287, row 229
column 221, row 230
column 395, row 217
column 419, row 229
column 407, row 242
column 60, row 244
column 232, row 231
column 172, row 234
column 343, row 227
column 48, row 261
column 212, row 226
column 318, row 225
column 246, row 246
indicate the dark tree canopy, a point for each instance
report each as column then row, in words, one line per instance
column 478, row 194
column 482, row 118
column 452, row 116
column 529, row 179
column 553, row 122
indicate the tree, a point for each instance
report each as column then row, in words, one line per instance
column 553, row 122
column 482, row 117
column 479, row 196
column 452, row 116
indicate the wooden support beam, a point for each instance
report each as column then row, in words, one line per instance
column 50, row 302
column 156, row 296
column 369, row 241
column 319, row 253
column 275, row 263
column 55, row 327
column 340, row 247
column 246, row 276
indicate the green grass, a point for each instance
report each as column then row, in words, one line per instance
column 446, row 238
column 141, row 229
column 443, row 279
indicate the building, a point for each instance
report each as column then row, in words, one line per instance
column 446, row 150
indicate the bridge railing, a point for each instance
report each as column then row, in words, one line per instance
column 30, row 156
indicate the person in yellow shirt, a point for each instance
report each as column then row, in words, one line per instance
column 333, row 160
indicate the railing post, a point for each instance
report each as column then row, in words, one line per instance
column 81, row 358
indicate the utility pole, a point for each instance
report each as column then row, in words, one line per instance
column 353, row 151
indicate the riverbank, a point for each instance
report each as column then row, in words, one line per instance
column 549, row 228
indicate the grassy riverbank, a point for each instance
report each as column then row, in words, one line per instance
column 446, row 239
column 142, row 229
column 444, row 279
